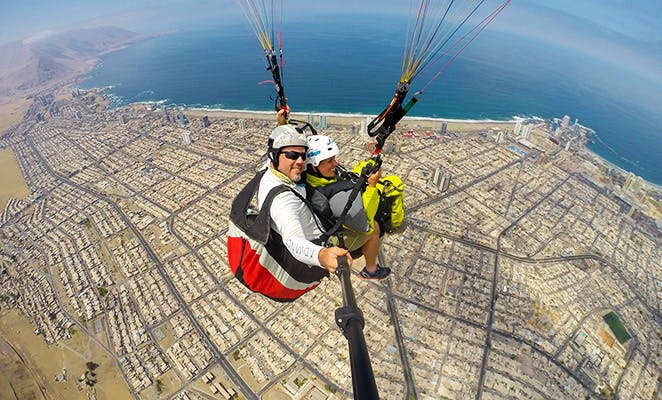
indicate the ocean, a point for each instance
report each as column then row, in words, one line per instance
column 328, row 69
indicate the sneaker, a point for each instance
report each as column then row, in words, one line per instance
column 379, row 274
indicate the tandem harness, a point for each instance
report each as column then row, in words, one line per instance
column 256, row 253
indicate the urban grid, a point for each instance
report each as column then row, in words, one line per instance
column 518, row 275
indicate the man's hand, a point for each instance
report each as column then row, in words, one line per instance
column 328, row 258
column 282, row 115
column 374, row 178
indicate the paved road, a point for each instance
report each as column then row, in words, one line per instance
column 218, row 357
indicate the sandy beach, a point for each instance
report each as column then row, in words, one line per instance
column 349, row 119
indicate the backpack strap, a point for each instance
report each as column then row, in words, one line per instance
column 258, row 227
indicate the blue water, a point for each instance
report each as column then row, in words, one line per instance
column 328, row 69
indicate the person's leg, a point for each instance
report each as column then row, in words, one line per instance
column 371, row 249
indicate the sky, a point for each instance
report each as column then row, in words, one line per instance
column 618, row 31
column 636, row 19
column 626, row 34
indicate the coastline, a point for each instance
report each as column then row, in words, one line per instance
column 344, row 119
column 622, row 170
column 70, row 351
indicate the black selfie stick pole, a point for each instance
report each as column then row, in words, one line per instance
column 350, row 321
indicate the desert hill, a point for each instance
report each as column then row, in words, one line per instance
column 30, row 65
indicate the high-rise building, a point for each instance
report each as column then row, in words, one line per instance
column 499, row 137
column 518, row 128
column 526, row 131
column 565, row 122
column 186, row 138
column 522, row 130
column 317, row 121
column 577, row 128
column 205, row 121
column 181, row 118
column 445, row 182
column 436, row 176
column 364, row 127
column 628, row 181
column 444, row 128
column 441, row 179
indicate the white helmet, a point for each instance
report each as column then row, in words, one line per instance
column 284, row 136
column 320, row 148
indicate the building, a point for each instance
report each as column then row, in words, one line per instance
column 526, row 134
column 205, row 121
column 317, row 121
column 628, row 181
column 445, row 182
column 355, row 128
column 518, row 128
column 522, row 130
column 444, row 128
column 436, row 177
column 181, row 118
column 186, row 138
column 565, row 122
column 577, row 128
column 364, row 127
column 499, row 137
column 441, row 179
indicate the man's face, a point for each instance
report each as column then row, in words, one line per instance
column 292, row 168
column 327, row 168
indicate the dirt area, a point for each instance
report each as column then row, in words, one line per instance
column 11, row 112
column 11, row 179
column 32, row 365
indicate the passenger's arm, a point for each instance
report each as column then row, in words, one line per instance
column 286, row 213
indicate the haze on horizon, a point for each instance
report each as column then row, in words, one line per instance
column 625, row 34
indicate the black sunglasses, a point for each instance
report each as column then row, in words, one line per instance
column 294, row 155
